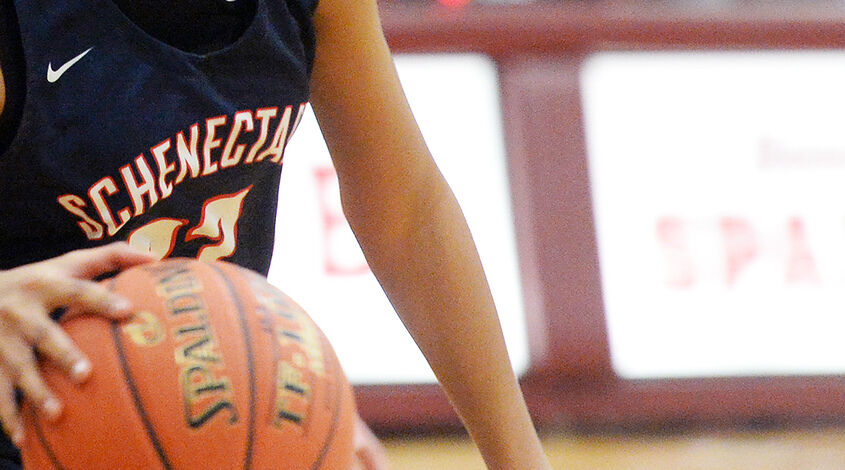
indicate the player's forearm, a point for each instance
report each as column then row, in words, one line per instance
column 412, row 231
column 430, row 270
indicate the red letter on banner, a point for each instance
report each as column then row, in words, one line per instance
column 335, row 261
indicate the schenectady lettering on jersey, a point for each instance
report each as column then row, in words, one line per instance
column 201, row 150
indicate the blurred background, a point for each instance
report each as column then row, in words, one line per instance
column 656, row 190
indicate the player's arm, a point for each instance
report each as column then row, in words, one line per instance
column 413, row 233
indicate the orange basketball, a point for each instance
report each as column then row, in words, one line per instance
column 216, row 370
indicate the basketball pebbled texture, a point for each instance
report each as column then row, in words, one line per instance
column 217, row 369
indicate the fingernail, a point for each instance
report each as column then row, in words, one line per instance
column 17, row 436
column 81, row 370
column 120, row 305
column 52, row 408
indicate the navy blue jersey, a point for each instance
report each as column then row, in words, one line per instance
column 125, row 137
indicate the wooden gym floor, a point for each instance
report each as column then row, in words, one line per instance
column 822, row 449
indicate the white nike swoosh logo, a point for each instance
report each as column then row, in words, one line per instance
column 53, row 75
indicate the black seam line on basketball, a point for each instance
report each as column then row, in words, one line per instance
column 250, row 437
column 136, row 398
column 338, row 402
column 43, row 440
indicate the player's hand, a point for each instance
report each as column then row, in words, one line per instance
column 369, row 453
column 27, row 296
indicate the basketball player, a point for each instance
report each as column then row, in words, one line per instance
column 163, row 124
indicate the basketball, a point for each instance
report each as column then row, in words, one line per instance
column 217, row 369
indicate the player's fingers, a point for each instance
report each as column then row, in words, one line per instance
column 18, row 361
column 36, row 391
column 9, row 415
column 52, row 342
column 92, row 262
column 84, row 297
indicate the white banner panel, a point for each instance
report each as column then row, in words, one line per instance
column 718, row 183
column 455, row 99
